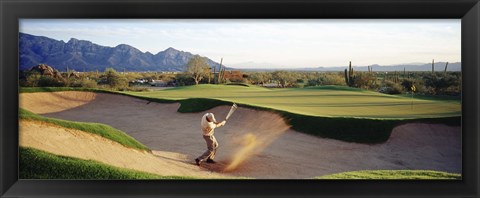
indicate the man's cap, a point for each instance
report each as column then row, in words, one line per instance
column 211, row 117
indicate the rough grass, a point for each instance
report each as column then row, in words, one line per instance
column 36, row 164
column 393, row 174
column 95, row 128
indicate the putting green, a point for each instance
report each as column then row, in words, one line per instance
column 325, row 101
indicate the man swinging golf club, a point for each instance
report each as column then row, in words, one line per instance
column 208, row 125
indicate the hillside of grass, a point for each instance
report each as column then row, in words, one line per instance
column 36, row 164
column 393, row 174
column 95, row 128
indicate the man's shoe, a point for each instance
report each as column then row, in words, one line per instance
column 197, row 161
column 210, row 161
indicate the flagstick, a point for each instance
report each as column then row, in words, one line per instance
column 412, row 100
column 413, row 88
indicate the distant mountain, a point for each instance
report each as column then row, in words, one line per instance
column 82, row 55
column 440, row 66
column 255, row 65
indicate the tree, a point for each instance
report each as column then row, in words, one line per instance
column 259, row 77
column 284, row 78
column 198, row 68
column 113, row 79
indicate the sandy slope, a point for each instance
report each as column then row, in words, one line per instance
column 268, row 147
column 79, row 144
column 50, row 102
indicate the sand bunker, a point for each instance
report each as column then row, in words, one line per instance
column 51, row 102
column 83, row 145
column 257, row 144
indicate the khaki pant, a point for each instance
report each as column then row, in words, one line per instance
column 212, row 146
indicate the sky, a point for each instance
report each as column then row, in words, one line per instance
column 284, row 43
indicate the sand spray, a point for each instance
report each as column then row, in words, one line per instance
column 263, row 129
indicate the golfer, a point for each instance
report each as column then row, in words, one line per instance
column 208, row 125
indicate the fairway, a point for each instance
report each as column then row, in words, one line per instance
column 325, row 101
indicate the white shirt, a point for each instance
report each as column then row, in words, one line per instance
column 208, row 128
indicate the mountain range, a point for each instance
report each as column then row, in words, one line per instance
column 82, row 55
column 438, row 66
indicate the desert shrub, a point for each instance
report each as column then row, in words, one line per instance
column 131, row 76
column 236, row 80
column 86, row 83
column 389, row 87
column 114, row 80
column 259, row 77
column 453, row 90
column 50, row 81
column 407, row 84
column 139, row 89
column 35, row 79
column 30, row 79
column 364, row 80
column 325, row 79
column 334, row 79
column 438, row 83
column 312, row 82
column 298, row 85
column 284, row 78
column 183, row 79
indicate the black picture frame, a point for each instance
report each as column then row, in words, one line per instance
column 11, row 11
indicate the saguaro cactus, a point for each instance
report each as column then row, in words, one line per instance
column 445, row 71
column 433, row 63
column 219, row 78
column 349, row 75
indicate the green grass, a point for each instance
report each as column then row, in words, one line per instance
column 325, row 101
column 95, row 128
column 438, row 98
column 36, row 164
column 393, row 174
column 336, row 112
column 360, row 130
column 199, row 104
